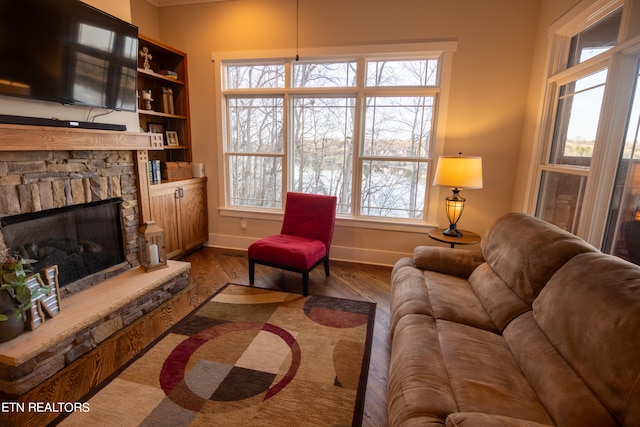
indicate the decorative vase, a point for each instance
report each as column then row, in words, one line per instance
column 14, row 326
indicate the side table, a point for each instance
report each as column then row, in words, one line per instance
column 467, row 238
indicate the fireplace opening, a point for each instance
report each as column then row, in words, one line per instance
column 81, row 240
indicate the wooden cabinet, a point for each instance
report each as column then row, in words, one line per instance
column 180, row 209
column 163, row 98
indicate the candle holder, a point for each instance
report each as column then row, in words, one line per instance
column 151, row 245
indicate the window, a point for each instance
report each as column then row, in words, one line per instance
column 622, row 234
column 361, row 128
column 585, row 179
column 323, row 147
column 564, row 176
column 598, row 38
column 397, row 142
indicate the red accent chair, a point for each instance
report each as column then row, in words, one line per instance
column 304, row 240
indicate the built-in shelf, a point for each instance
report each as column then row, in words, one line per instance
column 165, row 78
column 48, row 138
column 161, row 114
column 160, row 77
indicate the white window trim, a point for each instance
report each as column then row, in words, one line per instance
column 621, row 61
column 444, row 49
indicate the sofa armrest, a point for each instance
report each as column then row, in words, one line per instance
column 456, row 262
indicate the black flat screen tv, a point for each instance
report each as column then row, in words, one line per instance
column 68, row 52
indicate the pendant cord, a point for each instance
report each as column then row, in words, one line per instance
column 297, row 26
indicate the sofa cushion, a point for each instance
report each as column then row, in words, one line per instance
column 419, row 393
column 453, row 299
column 563, row 393
column 497, row 298
column 484, row 375
column 440, row 367
column 417, row 291
column 525, row 252
column 408, row 292
column 590, row 311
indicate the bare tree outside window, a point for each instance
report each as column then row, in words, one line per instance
column 402, row 73
column 323, row 147
column 329, row 134
column 257, row 76
column 255, row 136
column 332, row 74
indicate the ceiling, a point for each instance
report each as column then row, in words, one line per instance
column 162, row 3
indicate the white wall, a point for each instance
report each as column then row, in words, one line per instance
column 488, row 99
column 147, row 18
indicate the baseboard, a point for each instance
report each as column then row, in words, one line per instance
column 338, row 253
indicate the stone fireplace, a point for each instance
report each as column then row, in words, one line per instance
column 46, row 170
column 82, row 240
column 35, row 181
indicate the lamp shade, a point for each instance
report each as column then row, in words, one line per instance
column 459, row 172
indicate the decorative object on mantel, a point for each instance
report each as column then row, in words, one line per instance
column 172, row 138
column 167, row 101
column 197, row 170
column 15, row 294
column 43, row 305
column 176, row 171
column 153, row 254
column 147, row 56
column 146, row 99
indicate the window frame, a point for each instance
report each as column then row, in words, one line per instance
column 442, row 50
column 620, row 61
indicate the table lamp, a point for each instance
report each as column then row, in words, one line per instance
column 457, row 172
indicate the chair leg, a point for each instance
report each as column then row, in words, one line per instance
column 305, row 283
column 326, row 266
column 252, row 266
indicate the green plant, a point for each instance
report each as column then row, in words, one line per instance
column 13, row 281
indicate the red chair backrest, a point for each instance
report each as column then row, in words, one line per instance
column 311, row 216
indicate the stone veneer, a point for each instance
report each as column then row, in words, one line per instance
column 32, row 181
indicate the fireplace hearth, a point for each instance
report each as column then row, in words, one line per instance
column 81, row 240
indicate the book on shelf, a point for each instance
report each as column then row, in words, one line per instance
column 170, row 74
column 154, row 172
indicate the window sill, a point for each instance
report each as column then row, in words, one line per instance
column 400, row 225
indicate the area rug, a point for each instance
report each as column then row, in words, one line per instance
column 246, row 357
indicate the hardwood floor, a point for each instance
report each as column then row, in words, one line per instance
column 211, row 268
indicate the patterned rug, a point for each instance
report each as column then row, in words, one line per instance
column 247, row 357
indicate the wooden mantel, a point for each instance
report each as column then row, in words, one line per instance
column 47, row 138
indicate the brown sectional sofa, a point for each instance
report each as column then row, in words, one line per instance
column 535, row 328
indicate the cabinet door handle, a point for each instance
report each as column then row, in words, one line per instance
column 179, row 193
